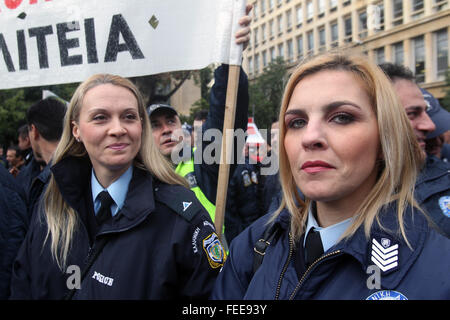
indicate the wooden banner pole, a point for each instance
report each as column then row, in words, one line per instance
column 227, row 147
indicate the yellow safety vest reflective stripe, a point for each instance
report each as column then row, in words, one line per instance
column 186, row 170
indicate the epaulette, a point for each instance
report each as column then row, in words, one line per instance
column 179, row 199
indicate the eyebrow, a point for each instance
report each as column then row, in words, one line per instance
column 328, row 107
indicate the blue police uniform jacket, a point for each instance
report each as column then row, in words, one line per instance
column 433, row 193
column 161, row 244
column 346, row 270
column 13, row 227
column 244, row 199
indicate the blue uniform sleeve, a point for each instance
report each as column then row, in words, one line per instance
column 207, row 174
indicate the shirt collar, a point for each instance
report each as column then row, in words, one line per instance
column 117, row 190
column 328, row 235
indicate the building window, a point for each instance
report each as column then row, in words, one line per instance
column 419, row 58
column 321, row 7
column 289, row 19
column 263, row 8
column 334, row 34
column 264, row 58
column 333, row 5
column 271, row 5
column 271, row 29
column 309, row 11
column 290, row 50
column 310, row 38
column 379, row 55
column 281, row 51
column 280, row 24
column 375, row 17
column 398, row 53
column 250, row 65
column 417, row 9
column 273, row 55
column 300, row 47
column 255, row 11
column 322, row 41
column 299, row 11
column 417, row 5
column 441, row 38
column 263, row 33
column 362, row 24
column 439, row 5
column 348, row 28
column 255, row 37
column 256, row 63
column 397, row 12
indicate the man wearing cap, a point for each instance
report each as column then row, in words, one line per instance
column 166, row 129
column 435, row 140
column 433, row 183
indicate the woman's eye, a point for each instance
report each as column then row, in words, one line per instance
column 342, row 118
column 131, row 116
column 296, row 123
column 99, row 117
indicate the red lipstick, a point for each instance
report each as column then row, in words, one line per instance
column 316, row 166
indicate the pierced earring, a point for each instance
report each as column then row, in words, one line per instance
column 78, row 139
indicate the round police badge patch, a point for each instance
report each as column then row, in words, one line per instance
column 444, row 203
column 214, row 250
column 386, row 295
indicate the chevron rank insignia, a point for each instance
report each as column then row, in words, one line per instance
column 384, row 254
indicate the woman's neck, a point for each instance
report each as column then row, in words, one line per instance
column 332, row 212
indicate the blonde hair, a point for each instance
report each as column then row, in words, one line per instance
column 401, row 152
column 61, row 219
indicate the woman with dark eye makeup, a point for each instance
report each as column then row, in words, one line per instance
column 348, row 226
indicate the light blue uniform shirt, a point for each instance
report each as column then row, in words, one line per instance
column 329, row 235
column 117, row 190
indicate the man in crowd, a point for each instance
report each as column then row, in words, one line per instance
column 435, row 144
column 15, row 160
column 433, row 184
column 45, row 124
column 166, row 128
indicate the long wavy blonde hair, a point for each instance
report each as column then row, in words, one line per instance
column 62, row 220
column 401, row 152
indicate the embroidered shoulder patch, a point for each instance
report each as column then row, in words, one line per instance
column 384, row 254
column 444, row 203
column 214, row 251
column 387, row 295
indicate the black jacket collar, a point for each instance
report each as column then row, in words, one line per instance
column 73, row 174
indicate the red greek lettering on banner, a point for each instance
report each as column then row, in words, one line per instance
column 13, row 4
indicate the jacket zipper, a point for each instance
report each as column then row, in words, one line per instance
column 309, row 269
column 291, row 249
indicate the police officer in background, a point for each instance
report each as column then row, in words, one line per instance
column 433, row 184
column 244, row 197
column 435, row 144
column 165, row 122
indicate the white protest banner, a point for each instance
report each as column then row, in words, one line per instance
column 44, row 42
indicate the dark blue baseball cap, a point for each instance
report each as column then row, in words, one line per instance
column 161, row 107
column 438, row 115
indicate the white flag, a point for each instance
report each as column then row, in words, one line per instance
column 44, row 42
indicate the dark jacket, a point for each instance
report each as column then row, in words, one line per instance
column 160, row 245
column 207, row 174
column 343, row 271
column 244, row 199
column 433, row 193
column 13, row 226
